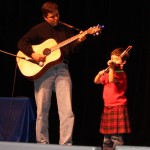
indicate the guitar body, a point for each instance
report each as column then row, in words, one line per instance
column 32, row 70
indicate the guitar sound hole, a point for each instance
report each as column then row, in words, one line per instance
column 46, row 51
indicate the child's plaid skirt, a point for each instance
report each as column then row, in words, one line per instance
column 115, row 120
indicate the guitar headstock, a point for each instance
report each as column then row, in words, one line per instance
column 96, row 30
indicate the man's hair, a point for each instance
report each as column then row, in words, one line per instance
column 48, row 7
column 118, row 52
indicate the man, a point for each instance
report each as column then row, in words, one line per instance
column 56, row 78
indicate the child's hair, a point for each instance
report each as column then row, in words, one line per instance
column 118, row 52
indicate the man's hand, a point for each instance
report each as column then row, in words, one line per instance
column 38, row 57
column 82, row 37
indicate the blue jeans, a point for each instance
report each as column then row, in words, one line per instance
column 57, row 79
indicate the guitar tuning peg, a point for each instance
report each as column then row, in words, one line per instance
column 101, row 26
column 96, row 34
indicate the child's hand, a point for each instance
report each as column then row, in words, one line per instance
column 101, row 72
column 111, row 64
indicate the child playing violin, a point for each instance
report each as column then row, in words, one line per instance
column 115, row 119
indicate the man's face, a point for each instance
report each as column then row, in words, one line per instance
column 52, row 18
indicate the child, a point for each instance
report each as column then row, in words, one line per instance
column 114, row 120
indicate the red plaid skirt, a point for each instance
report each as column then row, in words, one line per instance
column 115, row 120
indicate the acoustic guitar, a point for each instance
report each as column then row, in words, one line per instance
column 32, row 70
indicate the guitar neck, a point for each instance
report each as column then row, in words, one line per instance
column 67, row 41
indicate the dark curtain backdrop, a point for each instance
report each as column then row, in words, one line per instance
column 126, row 23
